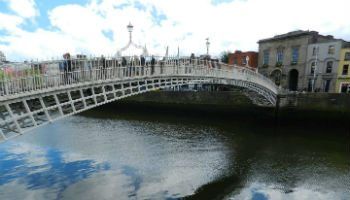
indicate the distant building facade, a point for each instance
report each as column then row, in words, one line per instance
column 283, row 58
column 322, row 64
column 240, row 58
column 2, row 57
column 343, row 81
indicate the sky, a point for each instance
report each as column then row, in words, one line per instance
column 45, row 29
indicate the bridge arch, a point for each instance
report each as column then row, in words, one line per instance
column 23, row 109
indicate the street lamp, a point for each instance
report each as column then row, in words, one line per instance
column 315, row 71
column 207, row 43
column 130, row 28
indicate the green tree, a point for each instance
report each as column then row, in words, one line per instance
column 224, row 56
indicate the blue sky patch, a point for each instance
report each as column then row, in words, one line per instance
column 45, row 7
column 122, row 6
column 138, row 5
column 108, row 34
column 5, row 8
column 157, row 15
column 218, row 2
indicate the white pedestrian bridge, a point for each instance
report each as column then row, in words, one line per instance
column 37, row 93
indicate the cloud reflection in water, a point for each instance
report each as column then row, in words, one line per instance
column 45, row 169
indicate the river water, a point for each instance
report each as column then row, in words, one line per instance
column 104, row 154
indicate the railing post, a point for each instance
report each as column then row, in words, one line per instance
column 6, row 85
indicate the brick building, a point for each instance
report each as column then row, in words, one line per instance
column 240, row 58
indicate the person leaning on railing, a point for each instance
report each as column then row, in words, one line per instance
column 124, row 62
column 67, row 67
column 103, row 67
column 143, row 63
column 153, row 62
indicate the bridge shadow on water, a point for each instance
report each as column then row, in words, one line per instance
column 266, row 149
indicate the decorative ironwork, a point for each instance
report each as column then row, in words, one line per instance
column 131, row 44
column 43, row 92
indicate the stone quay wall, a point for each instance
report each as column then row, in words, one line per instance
column 323, row 109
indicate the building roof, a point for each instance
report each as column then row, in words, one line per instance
column 243, row 52
column 293, row 34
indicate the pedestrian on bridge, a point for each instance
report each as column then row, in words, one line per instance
column 143, row 62
column 103, row 68
column 124, row 63
column 67, row 67
column 153, row 62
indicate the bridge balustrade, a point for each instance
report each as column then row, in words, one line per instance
column 36, row 76
column 37, row 93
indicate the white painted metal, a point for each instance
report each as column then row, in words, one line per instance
column 39, row 93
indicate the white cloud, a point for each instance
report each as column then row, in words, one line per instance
column 39, row 44
column 9, row 23
column 23, row 8
column 272, row 191
column 19, row 190
column 230, row 26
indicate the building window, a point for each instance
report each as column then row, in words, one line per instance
column 345, row 70
column 280, row 55
column 235, row 61
column 347, row 56
column 327, row 84
column 313, row 66
column 331, row 49
column 329, row 67
column 315, row 51
column 345, row 88
column 244, row 60
column 266, row 57
column 295, row 55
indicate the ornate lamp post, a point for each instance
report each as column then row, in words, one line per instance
column 207, row 43
column 130, row 28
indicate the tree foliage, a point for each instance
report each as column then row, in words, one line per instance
column 224, row 56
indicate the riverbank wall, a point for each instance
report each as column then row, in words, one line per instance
column 302, row 109
column 317, row 102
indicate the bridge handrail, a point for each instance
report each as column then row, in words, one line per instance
column 37, row 75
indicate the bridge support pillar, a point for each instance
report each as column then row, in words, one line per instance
column 58, row 105
column 45, row 109
column 18, row 127
column 29, row 112
column 3, row 135
column 71, row 101
column 83, row 97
